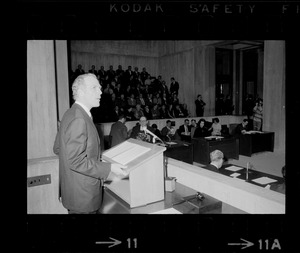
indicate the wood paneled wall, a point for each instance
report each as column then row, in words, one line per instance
column 274, row 91
column 106, row 53
column 43, row 199
column 62, row 75
column 41, row 103
column 191, row 63
column 180, row 66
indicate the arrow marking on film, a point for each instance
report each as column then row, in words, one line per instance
column 114, row 242
column 247, row 244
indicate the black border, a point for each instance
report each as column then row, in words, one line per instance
column 183, row 233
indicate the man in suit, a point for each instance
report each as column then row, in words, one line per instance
column 216, row 160
column 184, row 131
column 168, row 132
column 81, row 171
column 174, row 86
column 142, row 131
column 118, row 131
column 241, row 128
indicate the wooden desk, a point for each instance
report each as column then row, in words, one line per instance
column 252, row 174
column 182, row 151
column 112, row 204
column 203, row 147
column 258, row 142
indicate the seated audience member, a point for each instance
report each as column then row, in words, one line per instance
column 216, row 160
column 138, row 112
column 155, row 112
column 178, row 112
column 158, row 98
column 171, row 112
column 147, row 112
column 168, row 132
column 118, row 131
column 279, row 187
column 241, row 128
column 131, row 101
column 116, row 113
column 185, row 111
column 163, row 112
column 129, row 113
column 165, row 98
column 140, row 100
column 193, row 127
column 215, row 127
column 141, row 131
column 149, row 100
column 184, row 131
column 174, row 100
column 201, row 130
column 121, row 102
column 156, row 131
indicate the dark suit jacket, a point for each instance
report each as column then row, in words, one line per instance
column 181, row 129
column 118, row 133
column 211, row 167
column 80, row 169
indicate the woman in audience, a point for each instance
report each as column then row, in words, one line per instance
column 201, row 130
column 215, row 127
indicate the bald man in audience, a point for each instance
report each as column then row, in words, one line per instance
column 216, row 160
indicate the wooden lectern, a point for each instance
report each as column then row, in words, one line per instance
column 146, row 172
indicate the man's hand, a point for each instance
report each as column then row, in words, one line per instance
column 117, row 172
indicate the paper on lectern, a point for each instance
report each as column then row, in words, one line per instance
column 126, row 152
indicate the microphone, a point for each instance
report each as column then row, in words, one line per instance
column 154, row 136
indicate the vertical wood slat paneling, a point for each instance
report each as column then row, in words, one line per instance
column 205, row 77
column 180, row 66
column 274, row 91
column 62, row 77
column 41, row 103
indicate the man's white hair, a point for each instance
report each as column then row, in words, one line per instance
column 80, row 82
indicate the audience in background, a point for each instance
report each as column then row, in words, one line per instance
column 129, row 87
